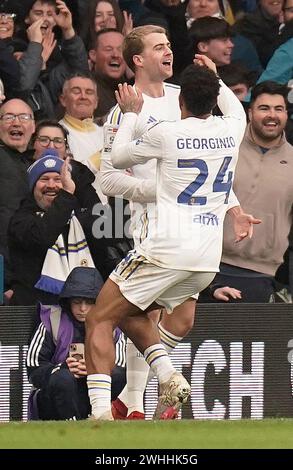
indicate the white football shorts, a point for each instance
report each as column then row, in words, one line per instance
column 142, row 282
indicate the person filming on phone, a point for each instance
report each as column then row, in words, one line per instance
column 55, row 360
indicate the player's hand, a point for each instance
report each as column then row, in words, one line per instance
column 224, row 293
column 129, row 99
column 203, row 60
column 243, row 226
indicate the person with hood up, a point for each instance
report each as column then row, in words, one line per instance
column 55, row 360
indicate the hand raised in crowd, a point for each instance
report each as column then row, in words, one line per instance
column 129, row 99
column 34, row 32
column 67, row 182
column 49, row 43
column 224, row 293
column 202, row 60
column 64, row 19
column 128, row 23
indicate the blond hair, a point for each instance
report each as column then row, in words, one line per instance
column 133, row 43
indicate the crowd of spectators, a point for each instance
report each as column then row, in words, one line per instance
column 60, row 64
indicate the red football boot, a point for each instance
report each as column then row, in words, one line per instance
column 119, row 410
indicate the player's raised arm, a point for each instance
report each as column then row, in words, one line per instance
column 228, row 103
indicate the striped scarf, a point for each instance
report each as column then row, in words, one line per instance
column 59, row 262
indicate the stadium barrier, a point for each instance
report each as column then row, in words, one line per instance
column 238, row 359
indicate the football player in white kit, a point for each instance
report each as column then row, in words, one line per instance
column 147, row 52
column 196, row 156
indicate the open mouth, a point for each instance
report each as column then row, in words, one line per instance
column 271, row 124
column 115, row 65
column 16, row 134
column 50, row 193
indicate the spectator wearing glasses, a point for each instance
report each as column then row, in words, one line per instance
column 16, row 128
column 51, row 134
column 51, row 233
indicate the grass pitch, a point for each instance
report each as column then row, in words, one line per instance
column 184, row 434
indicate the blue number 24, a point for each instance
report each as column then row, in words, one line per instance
column 187, row 196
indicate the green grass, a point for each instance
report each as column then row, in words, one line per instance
column 185, row 434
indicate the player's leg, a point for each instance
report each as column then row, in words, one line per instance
column 172, row 329
column 179, row 296
column 109, row 310
column 140, row 283
column 129, row 404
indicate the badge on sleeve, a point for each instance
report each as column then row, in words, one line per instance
column 109, row 136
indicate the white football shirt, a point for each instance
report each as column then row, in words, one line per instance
column 196, row 163
column 138, row 185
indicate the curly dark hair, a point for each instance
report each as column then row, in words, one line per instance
column 199, row 89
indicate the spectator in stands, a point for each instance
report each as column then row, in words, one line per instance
column 9, row 68
column 103, row 14
column 45, row 65
column 51, row 134
column 79, row 99
column 237, row 78
column 16, row 128
column 215, row 38
column 57, row 368
column 287, row 11
column 207, row 13
column 217, row 8
column 262, row 28
column 280, row 66
column 109, row 67
column 51, row 233
column 212, row 37
column 263, row 185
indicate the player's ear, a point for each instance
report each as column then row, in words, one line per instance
column 137, row 60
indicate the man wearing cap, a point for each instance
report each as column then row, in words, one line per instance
column 48, row 234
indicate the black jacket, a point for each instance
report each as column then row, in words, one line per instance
column 14, row 187
column 262, row 29
column 32, row 232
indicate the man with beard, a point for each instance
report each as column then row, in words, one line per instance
column 264, row 186
column 50, row 233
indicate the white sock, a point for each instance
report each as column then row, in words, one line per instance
column 169, row 341
column 157, row 358
column 99, row 388
column 137, row 374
